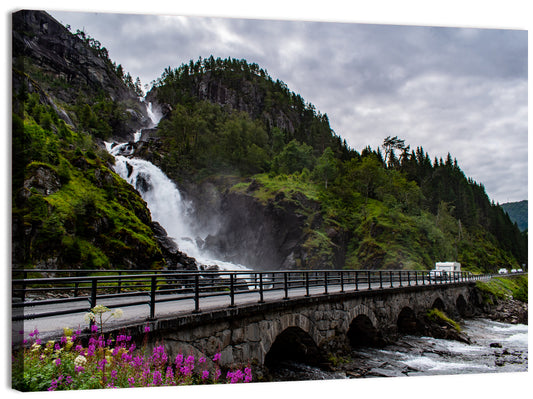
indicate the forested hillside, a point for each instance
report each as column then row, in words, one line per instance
column 69, row 209
column 284, row 189
column 389, row 207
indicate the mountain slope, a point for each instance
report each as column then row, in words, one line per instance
column 518, row 213
column 229, row 118
column 69, row 209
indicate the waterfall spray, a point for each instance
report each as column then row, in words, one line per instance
column 164, row 200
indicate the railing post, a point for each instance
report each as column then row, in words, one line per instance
column 391, row 279
column 325, row 282
column 24, row 277
column 408, row 278
column 196, row 293
column 94, row 287
column 380, row 280
column 400, row 277
column 286, row 284
column 153, row 288
column 119, row 282
column 76, row 285
column 307, row 284
column 261, row 299
column 357, row 280
column 369, row 280
column 232, row 290
column 342, row 280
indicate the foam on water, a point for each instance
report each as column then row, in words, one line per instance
column 165, row 202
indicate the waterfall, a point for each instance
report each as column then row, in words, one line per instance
column 165, row 202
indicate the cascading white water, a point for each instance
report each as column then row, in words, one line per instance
column 164, row 201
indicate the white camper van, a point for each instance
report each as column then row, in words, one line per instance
column 444, row 269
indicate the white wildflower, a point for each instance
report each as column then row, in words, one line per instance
column 80, row 361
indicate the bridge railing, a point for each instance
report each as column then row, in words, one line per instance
column 36, row 297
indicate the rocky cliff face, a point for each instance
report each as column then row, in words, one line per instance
column 42, row 44
column 70, row 210
column 282, row 232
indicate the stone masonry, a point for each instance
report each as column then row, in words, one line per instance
column 244, row 335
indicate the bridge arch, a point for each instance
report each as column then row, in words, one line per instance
column 362, row 332
column 407, row 321
column 461, row 305
column 293, row 344
column 361, row 309
column 363, row 328
column 438, row 303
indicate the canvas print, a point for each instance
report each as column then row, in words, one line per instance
column 201, row 200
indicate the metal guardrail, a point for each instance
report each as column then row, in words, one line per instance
column 148, row 287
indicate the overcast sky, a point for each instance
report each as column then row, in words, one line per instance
column 457, row 90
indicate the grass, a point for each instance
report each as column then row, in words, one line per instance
column 269, row 186
column 504, row 288
column 437, row 316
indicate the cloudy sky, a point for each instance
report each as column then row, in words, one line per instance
column 457, row 90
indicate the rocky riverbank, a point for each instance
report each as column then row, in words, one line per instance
column 509, row 311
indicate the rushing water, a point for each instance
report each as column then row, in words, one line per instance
column 496, row 347
column 164, row 199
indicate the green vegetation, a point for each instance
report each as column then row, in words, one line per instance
column 69, row 208
column 397, row 211
column 504, row 288
column 384, row 208
column 439, row 316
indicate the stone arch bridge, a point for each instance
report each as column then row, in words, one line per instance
column 306, row 328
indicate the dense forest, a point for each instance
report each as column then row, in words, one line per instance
column 400, row 208
column 232, row 125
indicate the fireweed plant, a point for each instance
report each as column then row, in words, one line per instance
column 110, row 363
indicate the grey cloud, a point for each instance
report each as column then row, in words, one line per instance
column 462, row 91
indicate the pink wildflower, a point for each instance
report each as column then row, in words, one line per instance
column 205, row 374
column 217, row 374
column 247, row 374
column 156, row 378
column 217, row 357
column 190, row 361
column 186, row 370
column 169, row 376
column 179, row 359
column 101, row 364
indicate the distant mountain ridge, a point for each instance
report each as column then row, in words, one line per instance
column 517, row 211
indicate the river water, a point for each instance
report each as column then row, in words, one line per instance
column 496, row 347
